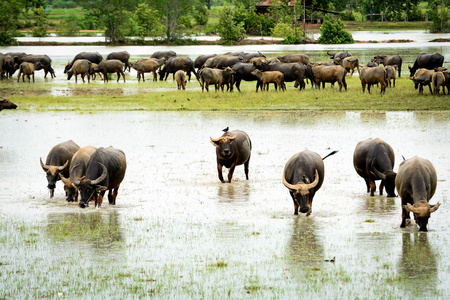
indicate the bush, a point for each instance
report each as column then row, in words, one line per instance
column 63, row 4
column 68, row 27
column 436, row 18
column 290, row 39
column 229, row 30
column 348, row 16
column 201, row 15
column 6, row 39
column 282, row 30
column 333, row 32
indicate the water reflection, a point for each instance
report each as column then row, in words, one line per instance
column 235, row 192
column 379, row 204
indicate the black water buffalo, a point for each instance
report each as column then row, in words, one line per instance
column 78, row 167
column 423, row 77
column 243, row 71
column 293, row 58
column 374, row 159
column 246, row 56
column 390, row 61
column 291, row 71
column 6, row 104
column 110, row 66
column 427, row 61
column 58, row 161
column 416, row 183
column 178, row 63
column 341, row 55
column 93, row 57
column 105, row 171
column 44, row 61
column 303, row 176
column 8, row 66
column 165, row 54
column 200, row 60
column 233, row 148
column 228, row 61
column 123, row 56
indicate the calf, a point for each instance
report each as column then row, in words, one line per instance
column 423, row 77
column 82, row 67
column 214, row 76
column 390, row 74
column 145, row 66
column 371, row 76
column 180, row 78
column 27, row 69
column 232, row 149
column 438, row 80
column 110, row 66
column 270, row 77
column 416, row 183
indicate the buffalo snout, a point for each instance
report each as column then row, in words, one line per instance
column 83, row 204
column 51, row 185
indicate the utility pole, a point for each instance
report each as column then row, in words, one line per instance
column 304, row 19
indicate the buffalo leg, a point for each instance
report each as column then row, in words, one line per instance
column 310, row 199
column 99, row 199
column 230, row 173
column 405, row 215
column 112, row 195
column 295, row 204
column 381, row 187
column 246, row 168
column 373, row 187
column 219, row 170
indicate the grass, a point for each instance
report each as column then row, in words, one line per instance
column 163, row 96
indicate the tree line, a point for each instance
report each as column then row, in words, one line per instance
column 166, row 19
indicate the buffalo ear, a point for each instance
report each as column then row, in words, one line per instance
column 434, row 207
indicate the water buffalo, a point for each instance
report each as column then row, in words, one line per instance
column 426, row 61
column 341, row 55
column 27, row 69
column 123, row 56
column 82, row 67
column 58, row 161
column 423, row 77
column 225, row 60
column 374, row 159
column 331, row 74
column 180, row 78
column 438, row 81
column 294, row 58
column 93, row 57
column 348, row 63
column 390, row 74
column 372, row 64
column 105, row 171
column 416, row 183
column 292, row 71
column 6, row 104
column 44, row 60
column 200, row 60
column 145, row 66
column 303, row 176
column 217, row 77
column 246, row 56
column 233, row 148
column 270, row 77
column 371, row 76
column 390, row 61
column 178, row 63
column 243, row 71
column 8, row 66
column 164, row 54
column 78, row 167
column 110, row 66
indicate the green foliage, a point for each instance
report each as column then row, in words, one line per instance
column 41, row 18
column 282, row 30
column 347, row 16
column 435, row 17
column 201, row 14
column 63, row 4
column 9, row 14
column 229, row 30
column 253, row 23
column 290, row 39
column 333, row 32
column 147, row 21
column 185, row 21
column 68, row 27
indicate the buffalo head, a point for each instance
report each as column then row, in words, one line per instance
column 70, row 189
column 300, row 191
column 388, row 177
column 53, row 173
column 89, row 189
column 224, row 145
column 422, row 211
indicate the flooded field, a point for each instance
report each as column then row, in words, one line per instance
column 177, row 232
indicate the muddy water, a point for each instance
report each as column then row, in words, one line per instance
column 177, row 232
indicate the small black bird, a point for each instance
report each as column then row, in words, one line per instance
column 225, row 130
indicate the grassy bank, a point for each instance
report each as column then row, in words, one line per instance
column 163, row 96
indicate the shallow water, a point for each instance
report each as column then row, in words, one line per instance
column 177, row 232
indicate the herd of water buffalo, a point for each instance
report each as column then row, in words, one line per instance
column 231, row 68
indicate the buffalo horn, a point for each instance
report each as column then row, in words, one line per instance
column 376, row 172
column 63, row 166
column 298, row 185
column 102, row 177
column 315, row 182
column 288, row 185
column 45, row 167
column 214, row 140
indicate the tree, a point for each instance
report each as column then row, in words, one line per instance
column 333, row 32
column 439, row 15
column 41, row 19
column 9, row 14
column 147, row 20
column 229, row 30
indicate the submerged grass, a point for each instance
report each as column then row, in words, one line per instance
column 163, row 96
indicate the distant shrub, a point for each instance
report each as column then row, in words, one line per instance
column 333, row 32
column 229, row 30
column 347, row 16
column 201, row 15
column 290, row 39
column 282, row 30
column 63, row 4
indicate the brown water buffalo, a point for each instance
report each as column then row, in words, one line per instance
column 373, row 160
column 372, row 64
column 93, row 57
column 145, row 66
column 268, row 77
column 214, row 76
column 416, row 183
column 123, row 56
column 105, row 172
column 303, row 175
column 331, row 74
column 27, row 69
column 438, row 81
column 58, row 162
column 164, row 54
column 423, row 77
column 110, row 66
column 341, row 55
column 82, row 67
column 200, row 60
column 348, row 63
column 178, row 63
column 371, row 76
column 390, row 74
column 78, row 167
column 180, row 78
column 233, row 148
column 6, row 104
column 44, row 60
column 292, row 71
column 295, row 58
column 427, row 61
column 390, row 61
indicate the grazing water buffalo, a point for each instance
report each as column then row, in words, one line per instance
column 123, row 56
column 6, row 104
column 374, row 159
column 78, row 167
column 58, row 161
column 110, row 66
column 243, row 71
column 27, row 69
column 348, row 63
column 390, row 61
column 423, row 77
column 93, row 57
column 438, row 80
column 200, row 60
column 164, row 54
column 82, row 67
column 217, row 77
column 416, row 183
column 44, row 60
column 233, row 148
column 268, row 77
column 178, row 63
column 426, row 61
column 145, row 66
column 180, row 78
column 105, row 171
column 7, row 68
column 294, row 58
column 303, row 176
column 341, row 55
column 292, row 71
column 331, row 74
column 390, row 74
column 371, row 76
